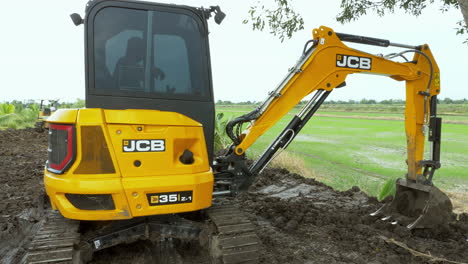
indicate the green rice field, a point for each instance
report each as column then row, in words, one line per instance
column 344, row 149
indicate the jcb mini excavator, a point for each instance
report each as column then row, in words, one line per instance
column 44, row 112
column 140, row 154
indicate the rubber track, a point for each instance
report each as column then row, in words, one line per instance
column 235, row 241
column 53, row 242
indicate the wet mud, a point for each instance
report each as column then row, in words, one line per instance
column 299, row 220
column 22, row 158
column 303, row 221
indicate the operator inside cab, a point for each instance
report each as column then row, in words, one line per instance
column 148, row 53
column 129, row 72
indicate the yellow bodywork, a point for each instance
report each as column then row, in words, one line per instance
column 129, row 184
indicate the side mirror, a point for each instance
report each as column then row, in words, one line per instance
column 219, row 15
column 76, row 18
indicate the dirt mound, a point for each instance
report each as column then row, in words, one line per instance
column 303, row 221
column 299, row 220
column 22, row 157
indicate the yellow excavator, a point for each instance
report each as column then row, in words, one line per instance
column 45, row 111
column 140, row 155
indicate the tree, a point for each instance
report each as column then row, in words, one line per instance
column 367, row 101
column 463, row 29
column 353, row 9
column 447, row 101
column 283, row 21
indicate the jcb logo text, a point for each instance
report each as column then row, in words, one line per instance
column 144, row 145
column 353, row 62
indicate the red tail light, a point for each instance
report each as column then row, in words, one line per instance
column 61, row 151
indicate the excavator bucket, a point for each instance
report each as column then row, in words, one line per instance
column 416, row 205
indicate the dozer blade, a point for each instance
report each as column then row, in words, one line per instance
column 416, row 206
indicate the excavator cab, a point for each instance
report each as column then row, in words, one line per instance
column 149, row 56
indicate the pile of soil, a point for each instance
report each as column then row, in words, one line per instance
column 304, row 221
column 299, row 220
column 22, row 157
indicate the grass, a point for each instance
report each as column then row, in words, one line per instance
column 450, row 113
column 293, row 163
column 343, row 151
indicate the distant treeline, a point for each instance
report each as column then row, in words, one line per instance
column 79, row 103
column 354, row 102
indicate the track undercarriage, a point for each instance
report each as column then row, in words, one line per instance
column 223, row 232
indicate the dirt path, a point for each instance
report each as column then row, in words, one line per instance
column 298, row 220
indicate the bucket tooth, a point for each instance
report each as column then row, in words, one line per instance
column 380, row 210
column 386, row 218
column 415, row 223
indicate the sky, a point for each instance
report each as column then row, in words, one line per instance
column 42, row 53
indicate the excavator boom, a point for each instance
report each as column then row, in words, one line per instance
column 322, row 68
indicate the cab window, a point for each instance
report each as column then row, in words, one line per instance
column 144, row 53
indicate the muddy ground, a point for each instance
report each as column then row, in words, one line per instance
column 298, row 220
column 22, row 158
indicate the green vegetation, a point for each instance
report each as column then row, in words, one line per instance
column 221, row 139
column 79, row 103
column 452, row 112
column 388, row 189
column 344, row 147
column 17, row 114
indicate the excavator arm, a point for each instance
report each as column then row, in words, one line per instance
column 323, row 67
